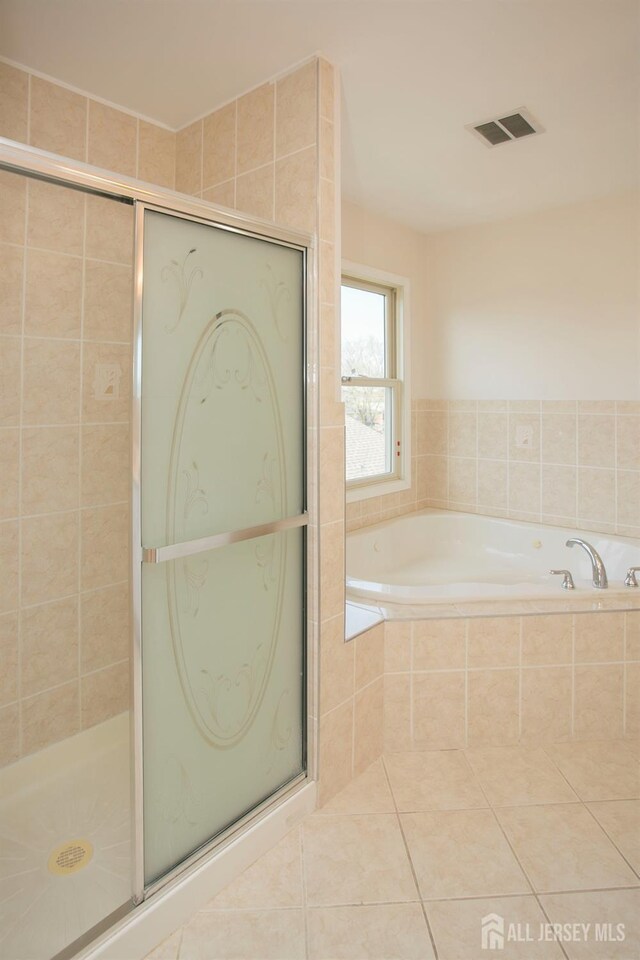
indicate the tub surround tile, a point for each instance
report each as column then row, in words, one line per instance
column 368, row 730
column 461, row 853
column 599, row 708
column 546, row 704
column 493, row 706
column 438, row 710
column 356, row 859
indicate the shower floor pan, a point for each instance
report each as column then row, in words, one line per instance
column 64, row 840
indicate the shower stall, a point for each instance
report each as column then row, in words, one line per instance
column 154, row 637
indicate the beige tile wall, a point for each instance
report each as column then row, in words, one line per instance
column 581, row 468
column 504, row 680
column 65, row 349
column 51, row 117
column 271, row 153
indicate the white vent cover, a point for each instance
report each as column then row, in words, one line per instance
column 514, row 125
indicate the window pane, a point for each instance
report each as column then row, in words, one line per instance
column 368, row 418
column 363, row 333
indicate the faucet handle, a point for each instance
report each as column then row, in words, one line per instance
column 631, row 580
column 567, row 579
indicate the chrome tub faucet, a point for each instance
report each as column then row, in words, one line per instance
column 598, row 572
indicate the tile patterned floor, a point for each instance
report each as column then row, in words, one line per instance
column 408, row 859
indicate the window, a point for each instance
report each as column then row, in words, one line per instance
column 373, row 312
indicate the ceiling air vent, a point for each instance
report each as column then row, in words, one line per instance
column 513, row 126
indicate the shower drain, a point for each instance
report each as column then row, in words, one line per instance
column 70, row 857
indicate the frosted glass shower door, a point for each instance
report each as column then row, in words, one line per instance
column 222, row 517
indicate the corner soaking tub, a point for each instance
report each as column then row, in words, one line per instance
column 439, row 556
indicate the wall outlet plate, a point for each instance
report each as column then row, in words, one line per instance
column 524, row 437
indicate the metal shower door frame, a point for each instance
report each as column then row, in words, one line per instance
column 141, row 553
column 32, row 162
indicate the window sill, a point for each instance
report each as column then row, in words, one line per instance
column 381, row 489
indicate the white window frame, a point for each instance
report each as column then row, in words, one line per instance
column 401, row 478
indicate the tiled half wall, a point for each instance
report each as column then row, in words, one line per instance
column 482, row 681
column 506, row 680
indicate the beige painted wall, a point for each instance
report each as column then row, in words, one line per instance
column 375, row 241
column 541, row 306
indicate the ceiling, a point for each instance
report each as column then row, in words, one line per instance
column 413, row 74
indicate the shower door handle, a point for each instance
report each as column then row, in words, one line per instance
column 188, row 548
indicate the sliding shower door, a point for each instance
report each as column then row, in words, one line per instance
column 222, row 519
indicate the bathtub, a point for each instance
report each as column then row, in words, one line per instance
column 439, row 556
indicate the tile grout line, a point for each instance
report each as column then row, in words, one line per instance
column 635, row 872
column 534, row 892
column 408, row 854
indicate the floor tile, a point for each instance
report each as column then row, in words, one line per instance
column 275, row 880
column 389, row 931
column 515, row 775
column 457, row 929
column 461, row 853
column 600, row 770
column 561, row 847
column 368, row 793
column 604, row 910
column 434, row 780
column 620, row 819
column 351, row 860
column 168, row 949
column 244, row 935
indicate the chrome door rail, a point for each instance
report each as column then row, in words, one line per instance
column 177, row 551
